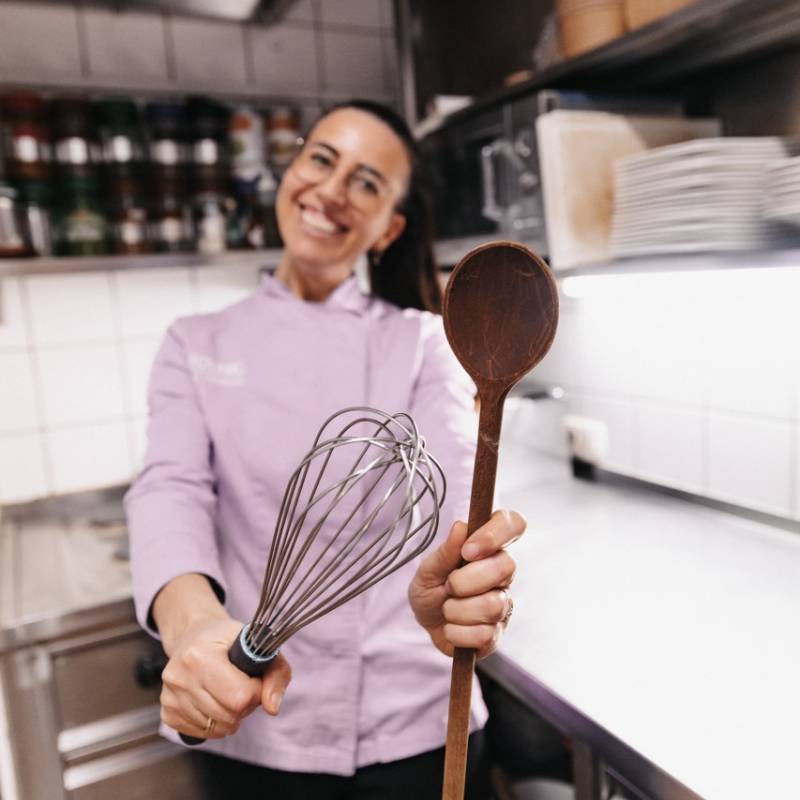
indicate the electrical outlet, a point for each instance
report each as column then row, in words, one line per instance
column 588, row 438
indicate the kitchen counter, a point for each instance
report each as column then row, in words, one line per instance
column 663, row 625
column 670, row 627
column 63, row 568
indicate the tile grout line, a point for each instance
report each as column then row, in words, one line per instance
column 38, row 385
column 122, row 366
column 169, row 48
column 83, row 39
column 319, row 47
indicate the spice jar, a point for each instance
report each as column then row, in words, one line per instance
column 80, row 227
column 76, row 149
column 283, row 134
column 35, row 202
column 120, row 136
column 128, row 223
column 25, row 137
column 13, row 243
column 210, row 222
column 170, row 223
column 166, row 143
column 210, row 153
column 246, row 132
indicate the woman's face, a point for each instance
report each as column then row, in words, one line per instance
column 338, row 198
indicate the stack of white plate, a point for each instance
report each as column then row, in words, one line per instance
column 782, row 191
column 701, row 195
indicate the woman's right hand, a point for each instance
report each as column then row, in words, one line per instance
column 199, row 682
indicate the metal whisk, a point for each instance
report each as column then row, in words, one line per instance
column 363, row 502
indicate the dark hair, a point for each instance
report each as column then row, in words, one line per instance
column 405, row 273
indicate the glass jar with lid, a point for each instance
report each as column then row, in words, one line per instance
column 170, row 222
column 166, row 140
column 283, row 136
column 80, row 226
column 26, row 138
column 13, row 242
column 120, row 136
column 76, row 150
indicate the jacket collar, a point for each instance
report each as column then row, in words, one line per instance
column 347, row 296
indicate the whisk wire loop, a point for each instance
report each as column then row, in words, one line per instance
column 333, row 539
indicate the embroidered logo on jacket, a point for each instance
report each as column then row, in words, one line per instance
column 220, row 373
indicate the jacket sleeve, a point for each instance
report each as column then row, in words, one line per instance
column 171, row 506
column 443, row 406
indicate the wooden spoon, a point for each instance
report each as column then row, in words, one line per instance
column 500, row 316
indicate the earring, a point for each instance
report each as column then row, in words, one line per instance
column 375, row 257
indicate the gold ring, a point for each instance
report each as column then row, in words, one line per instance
column 510, row 611
column 210, row 726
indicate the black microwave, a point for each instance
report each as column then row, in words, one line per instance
column 484, row 166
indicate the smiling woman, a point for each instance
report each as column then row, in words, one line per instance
column 366, row 712
column 356, row 187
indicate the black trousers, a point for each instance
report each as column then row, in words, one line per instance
column 415, row 778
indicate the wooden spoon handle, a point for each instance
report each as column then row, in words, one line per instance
column 480, row 509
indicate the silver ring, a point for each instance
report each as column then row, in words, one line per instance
column 510, row 610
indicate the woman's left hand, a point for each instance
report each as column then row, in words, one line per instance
column 468, row 606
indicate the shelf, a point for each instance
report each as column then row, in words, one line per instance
column 451, row 251
column 689, row 262
column 67, row 264
column 701, row 36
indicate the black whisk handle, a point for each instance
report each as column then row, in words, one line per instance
column 245, row 660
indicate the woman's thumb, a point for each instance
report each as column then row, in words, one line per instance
column 274, row 685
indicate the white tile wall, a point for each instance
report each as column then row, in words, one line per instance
column 81, row 384
column 366, row 13
column 39, row 41
column 13, row 334
column 147, row 51
column 217, row 287
column 670, row 447
column 149, row 300
column 301, row 11
column 70, row 309
column 285, row 59
column 353, row 62
column 80, row 381
column 89, row 457
column 208, row 53
column 125, row 44
column 22, row 468
column 137, row 430
column 18, row 409
column 138, row 357
column 620, row 419
column 697, row 376
column 750, row 462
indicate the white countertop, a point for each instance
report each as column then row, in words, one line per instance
column 675, row 627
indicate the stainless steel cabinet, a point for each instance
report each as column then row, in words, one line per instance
column 83, row 716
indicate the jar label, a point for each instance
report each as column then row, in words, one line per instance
column 211, row 234
column 169, row 230
column 73, row 150
column 26, row 149
column 118, row 149
column 131, row 232
column 84, row 226
column 206, row 151
column 165, row 151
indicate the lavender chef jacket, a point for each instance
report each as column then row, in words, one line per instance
column 236, row 398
